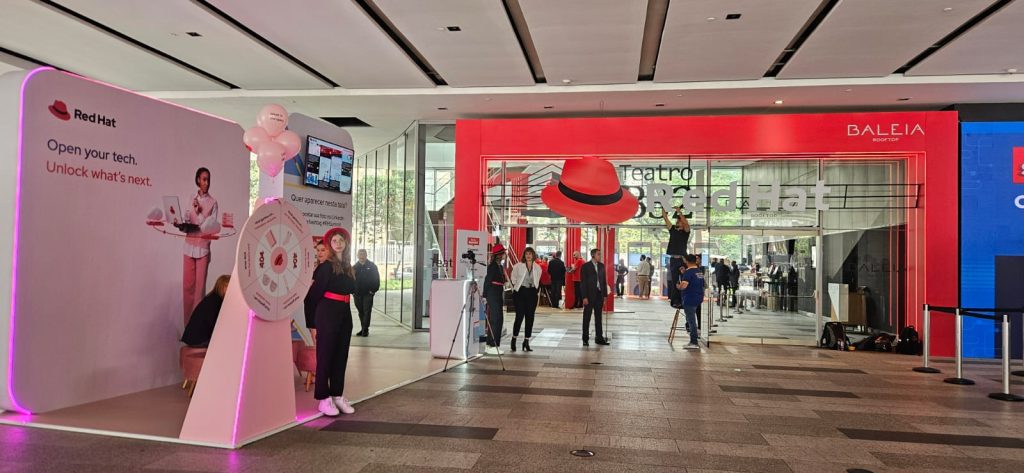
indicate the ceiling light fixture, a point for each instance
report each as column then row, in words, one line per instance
column 903, row 99
column 193, row 34
column 711, row 18
column 778, row 102
column 1011, row 70
column 442, row 108
column 848, row 90
column 733, row 16
column 659, row 105
column 453, row 28
column 567, row 81
column 947, row 9
column 548, row 107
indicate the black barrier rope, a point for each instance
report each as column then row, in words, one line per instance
column 952, row 310
column 982, row 316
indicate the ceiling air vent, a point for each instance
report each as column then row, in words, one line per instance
column 345, row 122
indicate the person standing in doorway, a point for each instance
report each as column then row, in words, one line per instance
column 644, row 271
column 203, row 220
column 574, row 274
column 690, row 283
column 722, row 279
column 494, row 293
column 367, row 284
column 594, row 284
column 556, row 269
column 525, row 283
column 678, row 238
column 545, row 279
column 620, row 278
column 329, row 314
column 734, row 282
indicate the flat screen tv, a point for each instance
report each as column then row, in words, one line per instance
column 328, row 166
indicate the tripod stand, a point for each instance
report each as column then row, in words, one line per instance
column 470, row 303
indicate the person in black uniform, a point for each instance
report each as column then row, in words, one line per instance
column 200, row 326
column 678, row 238
column 734, row 282
column 556, row 269
column 594, row 286
column 328, row 313
column 722, row 280
column 367, row 284
column 620, row 278
column 494, row 293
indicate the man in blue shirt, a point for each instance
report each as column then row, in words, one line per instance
column 690, row 282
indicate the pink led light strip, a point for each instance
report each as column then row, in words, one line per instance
column 17, row 232
column 241, row 379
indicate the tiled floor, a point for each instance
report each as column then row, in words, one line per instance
column 640, row 405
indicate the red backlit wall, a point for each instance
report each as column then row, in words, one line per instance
column 926, row 140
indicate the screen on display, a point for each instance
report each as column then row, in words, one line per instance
column 328, row 166
column 991, row 236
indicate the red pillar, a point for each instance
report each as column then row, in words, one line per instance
column 606, row 242
column 572, row 243
column 517, row 235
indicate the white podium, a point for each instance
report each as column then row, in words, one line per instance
column 839, row 294
column 448, row 304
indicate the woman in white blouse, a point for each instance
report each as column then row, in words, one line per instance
column 525, row 283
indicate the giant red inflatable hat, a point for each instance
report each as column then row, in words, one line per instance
column 589, row 191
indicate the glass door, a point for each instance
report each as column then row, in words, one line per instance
column 763, row 285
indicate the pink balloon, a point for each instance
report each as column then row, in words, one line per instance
column 270, row 158
column 254, row 137
column 273, row 118
column 290, row 140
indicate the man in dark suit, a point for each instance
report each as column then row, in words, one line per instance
column 594, row 286
column 556, row 269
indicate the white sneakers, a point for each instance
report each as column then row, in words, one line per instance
column 692, row 346
column 343, row 404
column 330, row 406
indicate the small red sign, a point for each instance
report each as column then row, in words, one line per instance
column 473, row 241
column 1018, row 165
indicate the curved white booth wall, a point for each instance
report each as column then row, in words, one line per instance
column 90, row 295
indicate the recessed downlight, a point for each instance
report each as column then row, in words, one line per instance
column 659, row 105
column 567, row 81
column 549, row 107
column 1012, row 70
column 947, row 9
column 442, row 108
column 778, row 102
column 903, row 99
column 711, row 18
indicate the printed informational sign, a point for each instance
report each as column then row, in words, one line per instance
column 275, row 260
column 103, row 268
column 476, row 242
column 992, row 236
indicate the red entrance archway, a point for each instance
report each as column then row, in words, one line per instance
column 926, row 140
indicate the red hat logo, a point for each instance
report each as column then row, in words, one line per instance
column 589, row 191
column 1018, row 165
column 60, row 110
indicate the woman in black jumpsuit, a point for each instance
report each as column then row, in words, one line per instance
column 494, row 293
column 329, row 313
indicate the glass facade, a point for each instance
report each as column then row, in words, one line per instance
column 383, row 217
column 402, row 214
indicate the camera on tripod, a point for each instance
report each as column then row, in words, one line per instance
column 469, row 256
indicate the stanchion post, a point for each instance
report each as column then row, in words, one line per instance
column 1005, row 394
column 1021, row 372
column 959, row 379
column 927, row 342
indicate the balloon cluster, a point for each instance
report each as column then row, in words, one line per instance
column 270, row 141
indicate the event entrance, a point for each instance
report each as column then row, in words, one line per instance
column 804, row 241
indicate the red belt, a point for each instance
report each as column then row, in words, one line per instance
column 498, row 283
column 336, row 297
